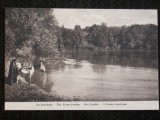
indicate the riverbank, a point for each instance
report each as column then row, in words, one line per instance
column 29, row 93
column 25, row 92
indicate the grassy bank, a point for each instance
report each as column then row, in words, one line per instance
column 28, row 93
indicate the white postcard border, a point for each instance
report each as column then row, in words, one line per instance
column 76, row 105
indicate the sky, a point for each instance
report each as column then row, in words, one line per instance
column 113, row 17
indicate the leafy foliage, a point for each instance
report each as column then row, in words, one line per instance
column 30, row 27
column 101, row 37
column 34, row 31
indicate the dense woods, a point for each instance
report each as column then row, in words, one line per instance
column 34, row 31
column 30, row 31
column 101, row 37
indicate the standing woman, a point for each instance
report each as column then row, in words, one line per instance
column 13, row 72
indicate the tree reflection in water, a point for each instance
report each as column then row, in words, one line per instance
column 147, row 59
column 95, row 74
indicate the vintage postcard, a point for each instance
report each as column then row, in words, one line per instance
column 81, row 59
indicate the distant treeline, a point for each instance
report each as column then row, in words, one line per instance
column 101, row 37
column 34, row 31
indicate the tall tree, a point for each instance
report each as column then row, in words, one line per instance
column 30, row 27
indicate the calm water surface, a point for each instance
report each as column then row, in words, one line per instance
column 102, row 76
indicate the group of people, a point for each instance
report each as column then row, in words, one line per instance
column 26, row 68
column 15, row 68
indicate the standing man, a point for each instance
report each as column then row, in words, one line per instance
column 13, row 72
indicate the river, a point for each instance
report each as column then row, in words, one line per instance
column 102, row 76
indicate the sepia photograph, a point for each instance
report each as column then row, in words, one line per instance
column 81, row 58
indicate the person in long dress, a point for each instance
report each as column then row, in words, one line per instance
column 13, row 73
